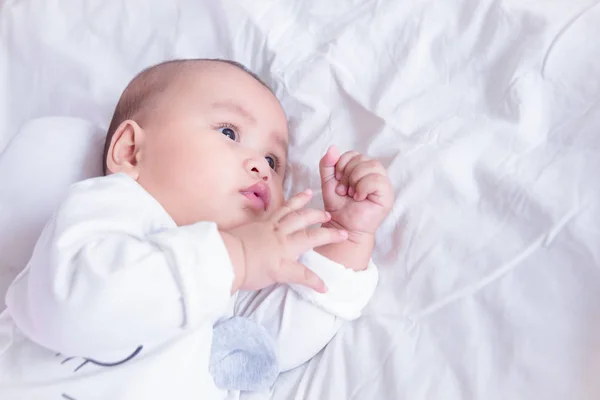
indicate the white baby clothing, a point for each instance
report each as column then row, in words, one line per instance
column 117, row 302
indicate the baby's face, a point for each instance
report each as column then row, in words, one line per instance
column 217, row 150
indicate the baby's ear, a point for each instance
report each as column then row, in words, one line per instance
column 124, row 150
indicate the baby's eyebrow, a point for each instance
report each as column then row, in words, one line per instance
column 235, row 108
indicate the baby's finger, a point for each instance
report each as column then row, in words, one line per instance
column 369, row 184
column 302, row 219
column 327, row 164
column 294, row 272
column 342, row 162
column 350, row 167
column 295, row 203
column 341, row 168
column 307, row 239
column 363, row 169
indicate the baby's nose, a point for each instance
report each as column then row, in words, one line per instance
column 258, row 167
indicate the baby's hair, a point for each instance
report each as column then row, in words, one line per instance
column 142, row 93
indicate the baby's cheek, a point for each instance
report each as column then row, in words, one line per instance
column 277, row 201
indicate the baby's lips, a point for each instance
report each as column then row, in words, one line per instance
column 260, row 190
column 255, row 201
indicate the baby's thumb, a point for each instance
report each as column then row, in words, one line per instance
column 327, row 164
column 295, row 272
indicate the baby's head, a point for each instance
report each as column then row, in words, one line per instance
column 206, row 138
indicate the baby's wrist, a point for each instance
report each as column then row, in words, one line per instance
column 358, row 238
column 353, row 253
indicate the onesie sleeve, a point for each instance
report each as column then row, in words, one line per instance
column 348, row 291
column 111, row 270
column 303, row 321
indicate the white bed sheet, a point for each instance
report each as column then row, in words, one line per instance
column 487, row 115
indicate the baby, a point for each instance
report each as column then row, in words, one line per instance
column 189, row 227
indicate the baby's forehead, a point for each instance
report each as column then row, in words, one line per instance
column 179, row 77
column 215, row 72
column 227, row 89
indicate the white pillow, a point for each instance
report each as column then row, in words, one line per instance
column 36, row 168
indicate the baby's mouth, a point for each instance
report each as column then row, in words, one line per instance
column 258, row 196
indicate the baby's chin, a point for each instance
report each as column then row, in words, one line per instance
column 235, row 221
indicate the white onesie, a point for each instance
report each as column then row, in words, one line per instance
column 117, row 302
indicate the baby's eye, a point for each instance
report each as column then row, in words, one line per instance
column 230, row 133
column 272, row 162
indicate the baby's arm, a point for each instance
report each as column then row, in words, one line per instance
column 303, row 321
column 111, row 271
column 358, row 195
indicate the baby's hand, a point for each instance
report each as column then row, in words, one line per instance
column 356, row 191
column 271, row 248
